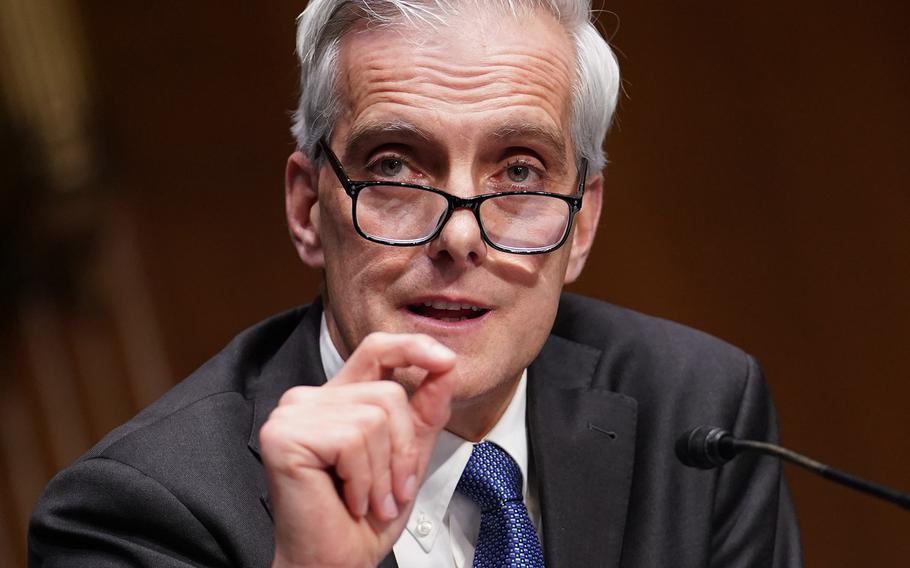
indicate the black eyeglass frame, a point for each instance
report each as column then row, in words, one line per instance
column 353, row 189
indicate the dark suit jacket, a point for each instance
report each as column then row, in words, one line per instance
column 182, row 483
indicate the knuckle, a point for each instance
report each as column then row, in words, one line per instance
column 392, row 393
column 273, row 436
column 295, row 395
column 267, row 434
column 366, row 418
column 374, row 417
column 407, row 452
column 351, row 438
column 279, row 416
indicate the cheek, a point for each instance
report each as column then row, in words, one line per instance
column 335, row 221
column 361, row 270
column 359, row 273
column 539, row 304
column 550, row 272
column 348, row 256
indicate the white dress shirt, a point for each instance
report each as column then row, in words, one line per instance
column 443, row 526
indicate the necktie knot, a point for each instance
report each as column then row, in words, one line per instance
column 491, row 477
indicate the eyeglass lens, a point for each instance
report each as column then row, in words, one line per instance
column 405, row 214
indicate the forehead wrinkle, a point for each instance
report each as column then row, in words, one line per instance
column 489, row 88
column 503, row 99
column 433, row 70
column 499, row 80
column 437, row 66
column 546, row 62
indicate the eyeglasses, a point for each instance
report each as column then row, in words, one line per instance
column 404, row 214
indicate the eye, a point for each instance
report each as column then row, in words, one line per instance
column 518, row 173
column 390, row 166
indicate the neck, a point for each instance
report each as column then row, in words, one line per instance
column 474, row 420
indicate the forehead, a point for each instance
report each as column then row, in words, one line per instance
column 470, row 77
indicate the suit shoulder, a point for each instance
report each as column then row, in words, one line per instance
column 645, row 348
column 187, row 454
column 212, row 397
column 591, row 321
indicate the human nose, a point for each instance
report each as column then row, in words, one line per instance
column 460, row 240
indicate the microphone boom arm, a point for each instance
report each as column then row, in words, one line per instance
column 707, row 447
column 826, row 471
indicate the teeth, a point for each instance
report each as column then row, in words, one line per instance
column 440, row 305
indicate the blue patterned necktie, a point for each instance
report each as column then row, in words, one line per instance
column 507, row 537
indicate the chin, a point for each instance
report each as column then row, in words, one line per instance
column 477, row 385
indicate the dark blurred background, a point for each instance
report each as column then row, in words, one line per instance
column 759, row 189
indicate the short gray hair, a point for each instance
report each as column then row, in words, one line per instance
column 323, row 23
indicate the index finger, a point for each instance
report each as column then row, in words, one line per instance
column 381, row 352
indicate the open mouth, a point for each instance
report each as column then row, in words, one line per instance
column 447, row 311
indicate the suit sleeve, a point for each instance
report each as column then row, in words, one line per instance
column 104, row 513
column 754, row 523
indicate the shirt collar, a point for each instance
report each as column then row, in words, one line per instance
column 331, row 359
column 451, row 453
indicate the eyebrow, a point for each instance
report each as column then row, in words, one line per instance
column 515, row 130
column 550, row 138
column 361, row 133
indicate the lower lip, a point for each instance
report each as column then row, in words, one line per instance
column 430, row 323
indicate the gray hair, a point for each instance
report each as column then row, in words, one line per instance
column 323, row 23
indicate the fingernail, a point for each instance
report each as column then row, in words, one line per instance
column 389, row 508
column 410, row 487
column 364, row 506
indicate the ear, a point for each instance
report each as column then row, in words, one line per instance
column 301, row 204
column 586, row 222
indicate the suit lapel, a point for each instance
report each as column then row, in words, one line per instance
column 296, row 362
column 582, row 439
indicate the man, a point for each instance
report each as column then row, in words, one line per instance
column 448, row 183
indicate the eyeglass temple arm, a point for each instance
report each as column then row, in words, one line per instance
column 336, row 164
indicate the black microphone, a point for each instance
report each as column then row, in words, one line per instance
column 707, row 447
